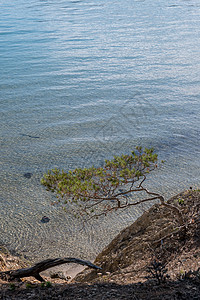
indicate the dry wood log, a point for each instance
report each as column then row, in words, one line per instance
column 42, row 266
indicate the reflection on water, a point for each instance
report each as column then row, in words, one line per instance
column 82, row 81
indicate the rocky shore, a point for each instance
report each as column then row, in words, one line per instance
column 154, row 237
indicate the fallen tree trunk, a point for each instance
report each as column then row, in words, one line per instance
column 42, row 266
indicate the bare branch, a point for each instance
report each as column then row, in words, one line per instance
column 42, row 266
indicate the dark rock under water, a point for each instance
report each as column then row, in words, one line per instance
column 45, row 219
column 28, row 175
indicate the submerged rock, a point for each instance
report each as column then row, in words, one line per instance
column 28, row 175
column 45, row 219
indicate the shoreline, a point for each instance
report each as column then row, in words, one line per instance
column 46, row 250
column 69, row 269
column 125, row 260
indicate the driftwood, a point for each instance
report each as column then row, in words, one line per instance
column 42, row 266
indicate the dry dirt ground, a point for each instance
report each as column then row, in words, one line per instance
column 155, row 236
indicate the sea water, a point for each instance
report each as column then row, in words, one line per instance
column 81, row 81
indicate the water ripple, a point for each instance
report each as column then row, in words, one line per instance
column 82, row 81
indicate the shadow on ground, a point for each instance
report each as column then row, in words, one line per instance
column 172, row 290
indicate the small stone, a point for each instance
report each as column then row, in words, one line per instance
column 59, row 274
column 45, row 219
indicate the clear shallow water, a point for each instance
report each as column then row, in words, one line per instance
column 81, row 81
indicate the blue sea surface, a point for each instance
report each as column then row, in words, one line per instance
column 81, row 81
